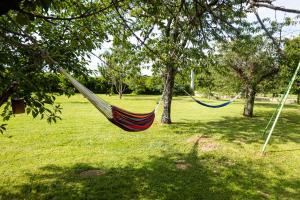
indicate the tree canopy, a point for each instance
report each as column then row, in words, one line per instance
column 35, row 33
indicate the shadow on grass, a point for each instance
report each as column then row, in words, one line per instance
column 274, row 105
column 208, row 177
column 78, row 102
column 283, row 150
column 245, row 130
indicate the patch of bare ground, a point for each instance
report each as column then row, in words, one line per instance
column 182, row 165
column 91, row 173
column 204, row 143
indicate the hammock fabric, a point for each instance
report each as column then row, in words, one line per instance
column 127, row 121
column 131, row 121
column 214, row 106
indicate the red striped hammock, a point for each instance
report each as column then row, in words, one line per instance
column 126, row 120
column 129, row 121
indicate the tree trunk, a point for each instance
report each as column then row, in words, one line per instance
column 168, row 94
column 250, row 97
column 298, row 97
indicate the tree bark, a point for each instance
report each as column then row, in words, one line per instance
column 250, row 97
column 168, row 94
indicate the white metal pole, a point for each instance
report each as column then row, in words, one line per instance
column 192, row 80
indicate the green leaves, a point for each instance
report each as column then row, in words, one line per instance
column 40, row 27
column 22, row 19
column 2, row 128
column 6, row 113
column 290, row 61
column 44, row 107
column 46, row 4
column 252, row 60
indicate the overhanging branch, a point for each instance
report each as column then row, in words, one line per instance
column 83, row 15
column 270, row 6
column 279, row 50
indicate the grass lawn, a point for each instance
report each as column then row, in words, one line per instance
column 206, row 154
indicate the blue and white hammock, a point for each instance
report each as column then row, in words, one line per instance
column 214, row 106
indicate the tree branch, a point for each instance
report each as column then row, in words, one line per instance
column 19, row 34
column 137, row 37
column 83, row 15
column 270, row 6
column 270, row 74
column 268, row 33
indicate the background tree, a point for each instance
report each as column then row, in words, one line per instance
column 121, row 67
column 290, row 62
column 144, row 84
column 253, row 60
column 31, row 32
column 174, row 32
column 212, row 79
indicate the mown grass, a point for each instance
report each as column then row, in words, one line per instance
column 42, row 161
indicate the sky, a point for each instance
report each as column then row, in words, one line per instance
column 263, row 13
column 279, row 15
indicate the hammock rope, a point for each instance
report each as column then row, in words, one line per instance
column 126, row 120
column 214, row 106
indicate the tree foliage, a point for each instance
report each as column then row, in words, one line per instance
column 253, row 59
column 174, row 33
column 33, row 35
column 290, row 62
column 121, row 67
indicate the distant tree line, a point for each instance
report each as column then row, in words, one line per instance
column 146, row 85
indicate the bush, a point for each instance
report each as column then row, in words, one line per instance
column 150, row 85
column 179, row 89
